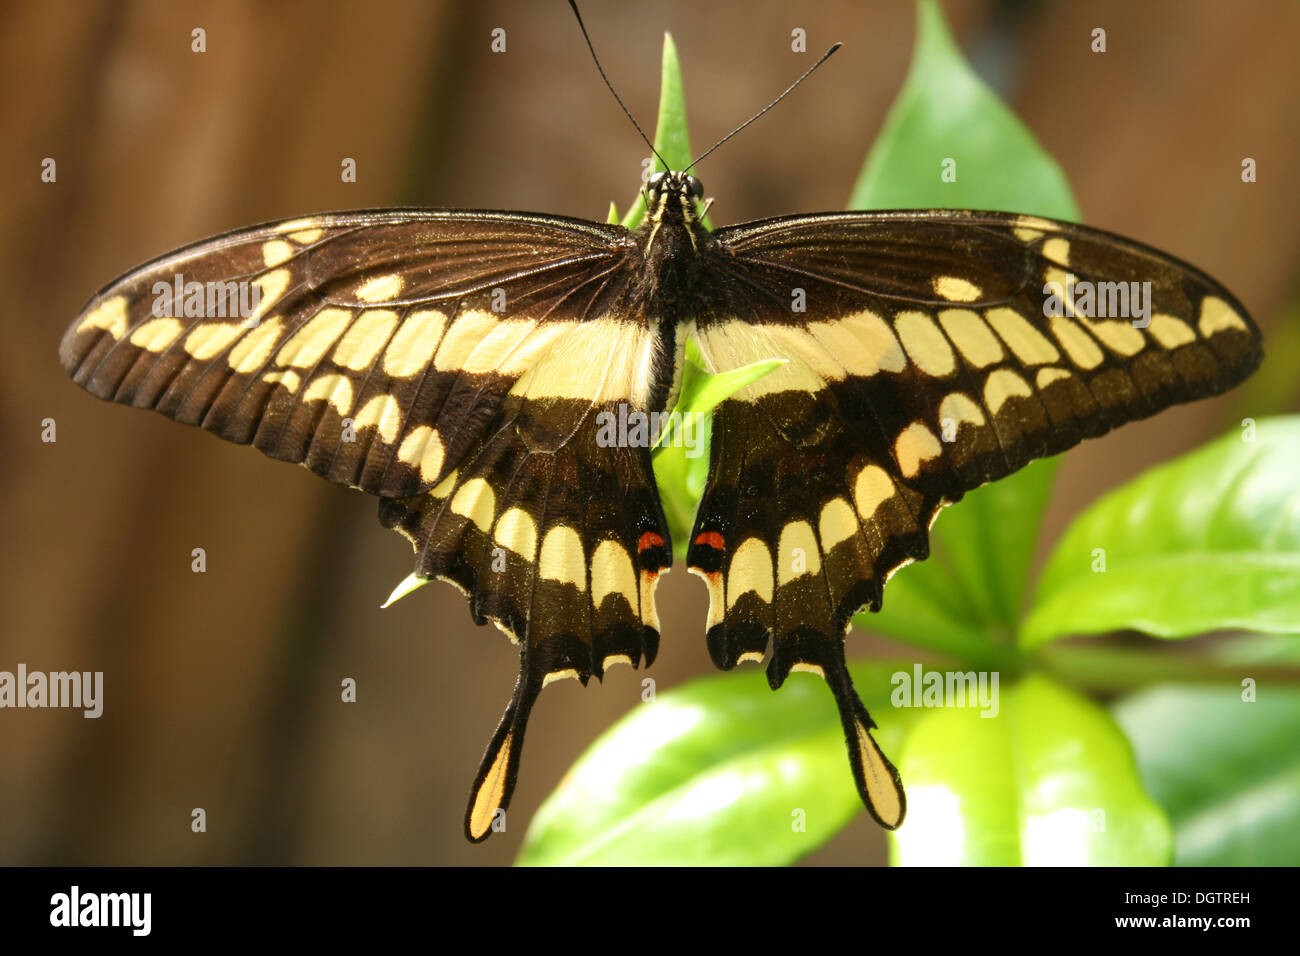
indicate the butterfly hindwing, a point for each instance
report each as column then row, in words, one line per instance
column 920, row 364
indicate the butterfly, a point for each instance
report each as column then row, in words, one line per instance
column 463, row 366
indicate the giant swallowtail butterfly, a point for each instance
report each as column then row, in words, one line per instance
column 456, row 364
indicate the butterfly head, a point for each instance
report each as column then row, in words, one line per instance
column 672, row 196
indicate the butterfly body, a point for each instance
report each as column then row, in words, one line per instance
column 458, row 365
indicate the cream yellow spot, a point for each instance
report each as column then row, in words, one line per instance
column 474, row 500
column 305, row 237
column 414, row 343
column 613, row 659
column 335, row 389
column 533, row 349
column 1030, row 345
column 1057, row 250
column 794, row 342
column 487, row 799
column 288, row 380
column 1046, row 376
column 293, row 224
column 1169, row 331
column 968, row 331
column 422, row 448
column 384, row 413
column 493, row 350
column 309, row 344
column 443, row 488
column 870, row 347
column 837, row 524
column 959, row 407
column 925, row 343
column 251, row 352
column 915, row 444
column 808, row 669
column 649, row 613
column 1119, row 337
column 957, row 289
column 561, row 558
column 270, row 286
column 1034, row 222
column 566, row 674
column 1002, row 385
column 381, row 288
column 156, row 334
column 872, row 489
column 732, row 344
column 364, row 338
column 882, row 790
column 1083, row 351
column 717, row 605
column 797, row 553
column 1027, row 235
column 516, row 531
column 276, row 252
column 109, row 315
column 1217, row 316
column 602, row 359
column 750, row 656
column 208, row 339
column 611, row 573
column 466, row 334
column 750, row 570
column 860, row 344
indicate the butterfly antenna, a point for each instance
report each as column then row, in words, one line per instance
column 583, row 27
column 825, row 56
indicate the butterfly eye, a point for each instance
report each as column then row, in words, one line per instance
column 655, row 182
column 695, row 186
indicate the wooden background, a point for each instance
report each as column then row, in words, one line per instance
column 222, row 689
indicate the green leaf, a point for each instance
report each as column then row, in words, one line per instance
column 1050, row 780
column 721, row 771
column 946, row 112
column 1226, row 770
column 672, row 137
column 973, row 587
column 1207, row 542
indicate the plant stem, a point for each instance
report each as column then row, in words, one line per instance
column 1111, row 669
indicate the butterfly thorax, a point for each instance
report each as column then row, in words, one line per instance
column 671, row 289
column 674, row 243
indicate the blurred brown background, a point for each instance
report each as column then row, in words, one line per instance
column 222, row 689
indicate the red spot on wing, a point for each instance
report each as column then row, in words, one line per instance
column 649, row 540
column 711, row 539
